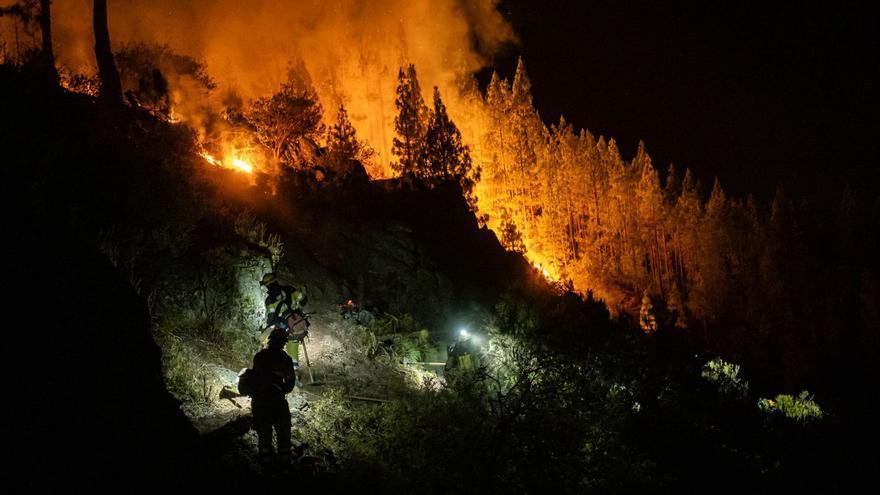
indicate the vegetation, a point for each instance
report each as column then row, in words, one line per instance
column 410, row 122
column 742, row 274
column 429, row 145
column 726, row 377
column 800, row 408
column 150, row 71
column 284, row 121
column 343, row 145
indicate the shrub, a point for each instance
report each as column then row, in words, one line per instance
column 726, row 377
column 802, row 408
column 250, row 228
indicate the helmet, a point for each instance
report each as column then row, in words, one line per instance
column 268, row 278
column 298, row 298
column 278, row 334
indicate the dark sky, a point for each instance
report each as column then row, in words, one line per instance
column 754, row 95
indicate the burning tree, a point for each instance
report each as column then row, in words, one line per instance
column 286, row 122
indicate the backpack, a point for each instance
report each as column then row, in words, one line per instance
column 251, row 383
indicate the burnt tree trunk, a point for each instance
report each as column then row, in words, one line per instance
column 46, row 32
column 111, row 86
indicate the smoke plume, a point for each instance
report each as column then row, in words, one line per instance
column 351, row 48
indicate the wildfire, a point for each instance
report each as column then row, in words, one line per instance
column 238, row 163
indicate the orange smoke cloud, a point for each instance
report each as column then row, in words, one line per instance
column 351, row 48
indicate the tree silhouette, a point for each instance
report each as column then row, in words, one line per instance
column 410, row 123
column 111, row 85
column 282, row 121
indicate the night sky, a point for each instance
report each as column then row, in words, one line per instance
column 755, row 95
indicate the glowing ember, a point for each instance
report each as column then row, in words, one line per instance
column 210, row 159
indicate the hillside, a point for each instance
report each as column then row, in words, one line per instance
column 142, row 263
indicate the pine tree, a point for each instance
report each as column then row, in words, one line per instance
column 526, row 138
column 410, row 122
column 343, row 146
column 672, row 188
column 498, row 96
column 521, row 90
column 686, row 216
column 443, row 150
column 341, row 139
column 511, row 237
column 714, row 253
column 497, row 184
column 444, row 156
column 649, row 199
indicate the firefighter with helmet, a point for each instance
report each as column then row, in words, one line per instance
column 269, row 405
column 284, row 310
column 281, row 300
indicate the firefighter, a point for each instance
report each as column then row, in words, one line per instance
column 284, row 309
column 269, row 405
column 281, row 300
column 464, row 355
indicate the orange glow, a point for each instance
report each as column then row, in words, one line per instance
column 543, row 271
column 303, row 38
column 232, row 162
column 242, row 165
column 351, row 48
column 210, row 159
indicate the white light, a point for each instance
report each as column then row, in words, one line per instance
column 463, row 332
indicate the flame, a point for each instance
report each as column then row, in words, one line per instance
column 543, row 271
column 234, row 162
column 210, row 158
column 242, row 165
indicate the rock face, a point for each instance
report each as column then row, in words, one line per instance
column 109, row 418
column 219, row 289
column 391, row 247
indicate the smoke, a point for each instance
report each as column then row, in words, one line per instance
column 351, row 48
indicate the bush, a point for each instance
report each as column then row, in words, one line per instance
column 802, row 408
column 726, row 377
column 185, row 371
column 255, row 231
column 427, row 441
